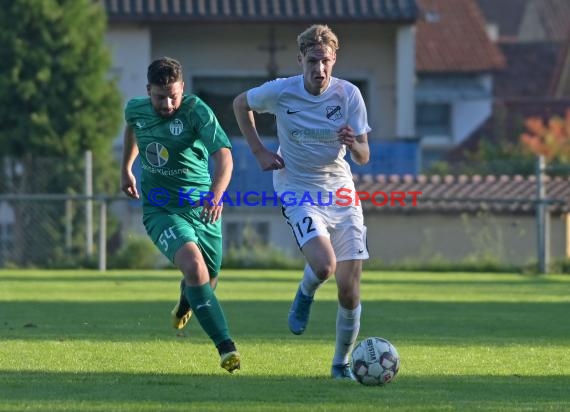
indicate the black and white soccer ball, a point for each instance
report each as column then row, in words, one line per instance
column 375, row 362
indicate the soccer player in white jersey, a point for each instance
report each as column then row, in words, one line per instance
column 319, row 118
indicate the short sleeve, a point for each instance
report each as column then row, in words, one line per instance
column 358, row 116
column 263, row 99
column 206, row 125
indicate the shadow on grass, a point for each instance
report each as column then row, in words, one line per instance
column 287, row 277
column 240, row 392
column 425, row 321
column 284, row 277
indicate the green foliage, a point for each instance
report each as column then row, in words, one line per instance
column 438, row 264
column 260, row 257
column 502, row 155
column 56, row 99
column 138, row 252
column 252, row 252
column 559, row 266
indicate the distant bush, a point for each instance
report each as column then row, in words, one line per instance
column 439, row 265
column 561, row 266
column 138, row 252
column 259, row 256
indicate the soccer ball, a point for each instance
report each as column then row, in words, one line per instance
column 375, row 362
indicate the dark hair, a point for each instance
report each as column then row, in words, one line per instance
column 164, row 71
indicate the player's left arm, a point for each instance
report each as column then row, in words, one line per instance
column 356, row 145
column 222, row 174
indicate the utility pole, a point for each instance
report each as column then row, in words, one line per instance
column 542, row 217
column 89, row 203
column 272, row 48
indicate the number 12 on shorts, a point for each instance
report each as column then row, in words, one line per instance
column 305, row 226
column 165, row 236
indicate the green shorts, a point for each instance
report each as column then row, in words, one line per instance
column 170, row 231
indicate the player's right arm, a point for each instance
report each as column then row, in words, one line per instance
column 130, row 152
column 244, row 115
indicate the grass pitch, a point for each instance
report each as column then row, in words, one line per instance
column 91, row 341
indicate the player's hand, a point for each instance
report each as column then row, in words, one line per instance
column 346, row 136
column 269, row 160
column 129, row 185
column 211, row 211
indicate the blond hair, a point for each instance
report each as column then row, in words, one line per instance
column 318, row 35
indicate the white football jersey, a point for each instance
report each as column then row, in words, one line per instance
column 307, row 128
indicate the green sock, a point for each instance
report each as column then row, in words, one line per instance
column 209, row 312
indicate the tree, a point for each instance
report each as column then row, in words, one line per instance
column 56, row 98
column 497, row 154
column 56, row 101
column 550, row 139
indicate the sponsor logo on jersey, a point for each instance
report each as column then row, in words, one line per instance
column 156, row 154
column 315, row 136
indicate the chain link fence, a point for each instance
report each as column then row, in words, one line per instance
column 56, row 230
column 50, row 218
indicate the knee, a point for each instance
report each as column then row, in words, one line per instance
column 325, row 271
column 348, row 298
column 193, row 271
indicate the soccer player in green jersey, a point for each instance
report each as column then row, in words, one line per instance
column 175, row 134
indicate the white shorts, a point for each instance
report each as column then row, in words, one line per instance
column 344, row 226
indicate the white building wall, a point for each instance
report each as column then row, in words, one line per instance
column 467, row 116
column 130, row 47
column 405, row 79
column 131, row 50
column 424, row 238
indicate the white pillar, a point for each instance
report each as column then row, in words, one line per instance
column 88, row 203
column 405, row 82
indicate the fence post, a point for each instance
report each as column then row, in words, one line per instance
column 542, row 218
column 68, row 227
column 103, row 235
column 88, row 203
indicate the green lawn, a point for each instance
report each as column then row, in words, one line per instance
column 91, row 341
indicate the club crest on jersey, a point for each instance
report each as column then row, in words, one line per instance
column 334, row 113
column 176, row 127
column 140, row 124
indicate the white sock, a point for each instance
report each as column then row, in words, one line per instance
column 347, row 328
column 310, row 282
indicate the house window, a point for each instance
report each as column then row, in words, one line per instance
column 433, row 119
column 219, row 94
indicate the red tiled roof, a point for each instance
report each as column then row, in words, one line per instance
column 261, row 10
column 451, row 37
column 455, row 194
